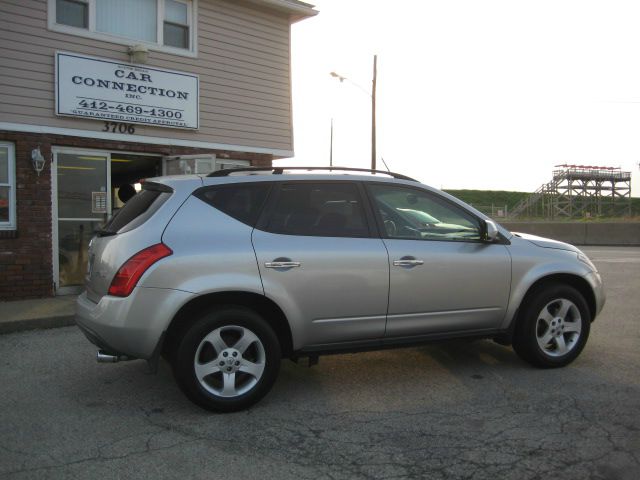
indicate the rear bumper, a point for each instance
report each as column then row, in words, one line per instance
column 96, row 339
column 130, row 326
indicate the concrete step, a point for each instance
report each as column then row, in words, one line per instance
column 52, row 312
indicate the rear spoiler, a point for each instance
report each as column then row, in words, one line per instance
column 157, row 187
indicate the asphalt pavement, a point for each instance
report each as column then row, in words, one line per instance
column 457, row 410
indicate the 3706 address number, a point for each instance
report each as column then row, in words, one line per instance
column 117, row 127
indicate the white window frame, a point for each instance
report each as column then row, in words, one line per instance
column 192, row 16
column 12, row 223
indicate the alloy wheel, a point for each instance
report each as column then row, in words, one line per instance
column 558, row 327
column 229, row 361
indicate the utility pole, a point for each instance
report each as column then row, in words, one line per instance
column 373, row 105
column 373, row 112
column 331, row 146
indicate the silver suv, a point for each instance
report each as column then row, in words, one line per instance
column 227, row 274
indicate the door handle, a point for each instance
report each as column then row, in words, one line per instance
column 407, row 262
column 281, row 264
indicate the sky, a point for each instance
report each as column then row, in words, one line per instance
column 471, row 94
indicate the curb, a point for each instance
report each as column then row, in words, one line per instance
column 37, row 323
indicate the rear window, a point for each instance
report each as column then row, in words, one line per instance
column 138, row 209
column 241, row 201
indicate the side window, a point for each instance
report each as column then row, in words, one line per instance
column 319, row 209
column 240, row 201
column 413, row 214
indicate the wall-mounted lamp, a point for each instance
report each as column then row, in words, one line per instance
column 37, row 160
column 138, row 54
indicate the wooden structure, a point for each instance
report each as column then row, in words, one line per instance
column 579, row 191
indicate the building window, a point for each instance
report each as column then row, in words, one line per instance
column 176, row 24
column 7, row 186
column 74, row 13
column 123, row 18
column 166, row 25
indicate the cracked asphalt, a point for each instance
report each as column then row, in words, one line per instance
column 457, row 410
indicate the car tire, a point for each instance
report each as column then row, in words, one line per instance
column 228, row 360
column 552, row 327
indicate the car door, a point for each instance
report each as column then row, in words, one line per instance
column 319, row 261
column 443, row 277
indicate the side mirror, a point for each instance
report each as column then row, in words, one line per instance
column 490, row 231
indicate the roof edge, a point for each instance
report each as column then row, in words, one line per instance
column 296, row 9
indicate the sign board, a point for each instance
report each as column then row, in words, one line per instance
column 104, row 89
column 98, row 202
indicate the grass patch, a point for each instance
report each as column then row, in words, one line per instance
column 489, row 201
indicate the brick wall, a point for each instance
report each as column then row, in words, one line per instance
column 26, row 269
column 25, row 253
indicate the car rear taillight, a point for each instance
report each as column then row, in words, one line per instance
column 129, row 274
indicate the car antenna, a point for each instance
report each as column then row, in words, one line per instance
column 385, row 164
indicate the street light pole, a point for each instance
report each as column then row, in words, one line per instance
column 373, row 112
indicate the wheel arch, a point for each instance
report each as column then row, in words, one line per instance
column 265, row 307
column 575, row 281
column 525, row 337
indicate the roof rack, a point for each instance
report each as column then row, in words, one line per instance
column 280, row 170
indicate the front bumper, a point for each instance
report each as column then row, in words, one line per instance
column 132, row 325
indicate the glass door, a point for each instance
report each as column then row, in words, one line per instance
column 81, row 190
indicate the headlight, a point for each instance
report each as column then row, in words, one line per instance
column 584, row 259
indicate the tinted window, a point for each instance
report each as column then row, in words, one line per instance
column 319, row 209
column 413, row 214
column 240, row 201
column 137, row 205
